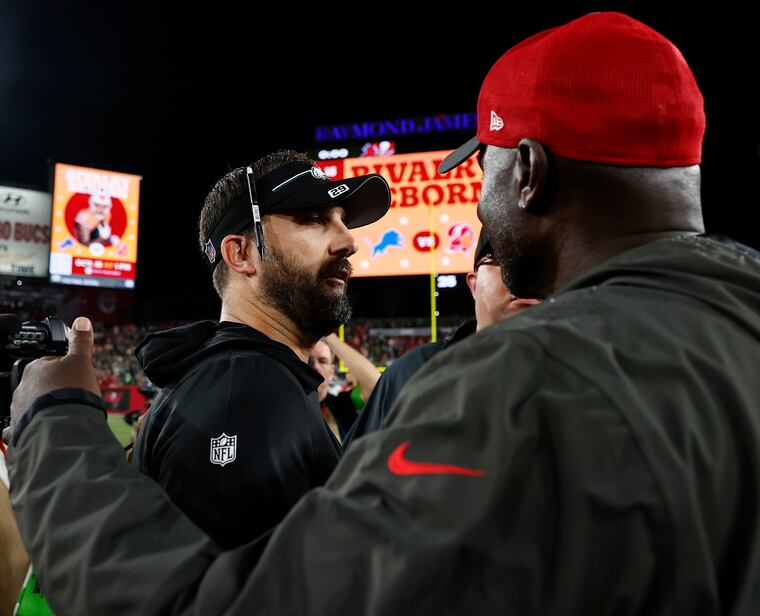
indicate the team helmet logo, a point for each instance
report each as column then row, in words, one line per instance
column 210, row 251
column 223, row 449
column 496, row 122
column 461, row 239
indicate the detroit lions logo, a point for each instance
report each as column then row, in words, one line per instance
column 390, row 239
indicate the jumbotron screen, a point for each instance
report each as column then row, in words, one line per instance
column 94, row 230
column 432, row 225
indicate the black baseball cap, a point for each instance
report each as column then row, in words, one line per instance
column 483, row 249
column 461, row 154
column 303, row 186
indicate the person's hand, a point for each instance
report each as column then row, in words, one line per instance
column 138, row 426
column 135, row 432
column 104, row 231
column 50, row 373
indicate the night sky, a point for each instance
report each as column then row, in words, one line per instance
column 181, row 95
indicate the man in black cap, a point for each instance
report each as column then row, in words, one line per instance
column 236, row 436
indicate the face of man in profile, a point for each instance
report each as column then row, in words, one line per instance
column 323, row 362
column 503, row 219
column 306, row 270
column 99, row 209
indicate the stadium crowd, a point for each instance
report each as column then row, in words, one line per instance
column 382, row 341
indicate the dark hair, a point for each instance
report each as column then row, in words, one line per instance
column 229, row 187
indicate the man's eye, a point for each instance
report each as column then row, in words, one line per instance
column 313, row 219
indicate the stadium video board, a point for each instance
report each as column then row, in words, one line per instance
column 24, row 232
column 432, row 225
column 94, row 229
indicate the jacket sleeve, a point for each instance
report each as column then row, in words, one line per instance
column 485, row 493
column 104, row 538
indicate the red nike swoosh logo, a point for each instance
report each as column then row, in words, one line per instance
column 399, row 465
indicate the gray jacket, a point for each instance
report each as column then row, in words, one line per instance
column 598, row 454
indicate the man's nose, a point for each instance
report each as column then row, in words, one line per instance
column 343, row 243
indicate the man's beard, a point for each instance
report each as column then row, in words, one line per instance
column 513, row 250
column 524, row 262
column 504, row 244
column 301, row 295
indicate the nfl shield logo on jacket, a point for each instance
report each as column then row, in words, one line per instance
column 223, row 449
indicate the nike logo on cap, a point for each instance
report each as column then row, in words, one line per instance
column 398, row 464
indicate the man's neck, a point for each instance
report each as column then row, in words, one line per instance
column 578, row 257
column 269, row 322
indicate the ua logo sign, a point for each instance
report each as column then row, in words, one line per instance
column 223, row 449
column 338, row 190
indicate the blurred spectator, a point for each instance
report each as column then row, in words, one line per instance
column 339, row 407
column 114, row 357
column 363, row 371
column 14, row 561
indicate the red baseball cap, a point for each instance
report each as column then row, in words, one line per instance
column 602, row 88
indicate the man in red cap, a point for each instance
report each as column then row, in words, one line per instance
column 597, row 454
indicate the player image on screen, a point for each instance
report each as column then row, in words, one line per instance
column 94, row 223
column 93, row 240
column 97, row 221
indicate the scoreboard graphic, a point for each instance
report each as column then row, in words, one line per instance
column 94, row 229
column 432, row 224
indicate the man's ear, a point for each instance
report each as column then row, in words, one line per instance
column 533, row 174
column 236, row 252
column 472, row 282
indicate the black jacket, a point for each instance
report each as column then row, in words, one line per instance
column 235, row 435
column 392, row 381
column 598, row 454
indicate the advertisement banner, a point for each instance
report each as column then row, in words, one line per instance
column 24, row 232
